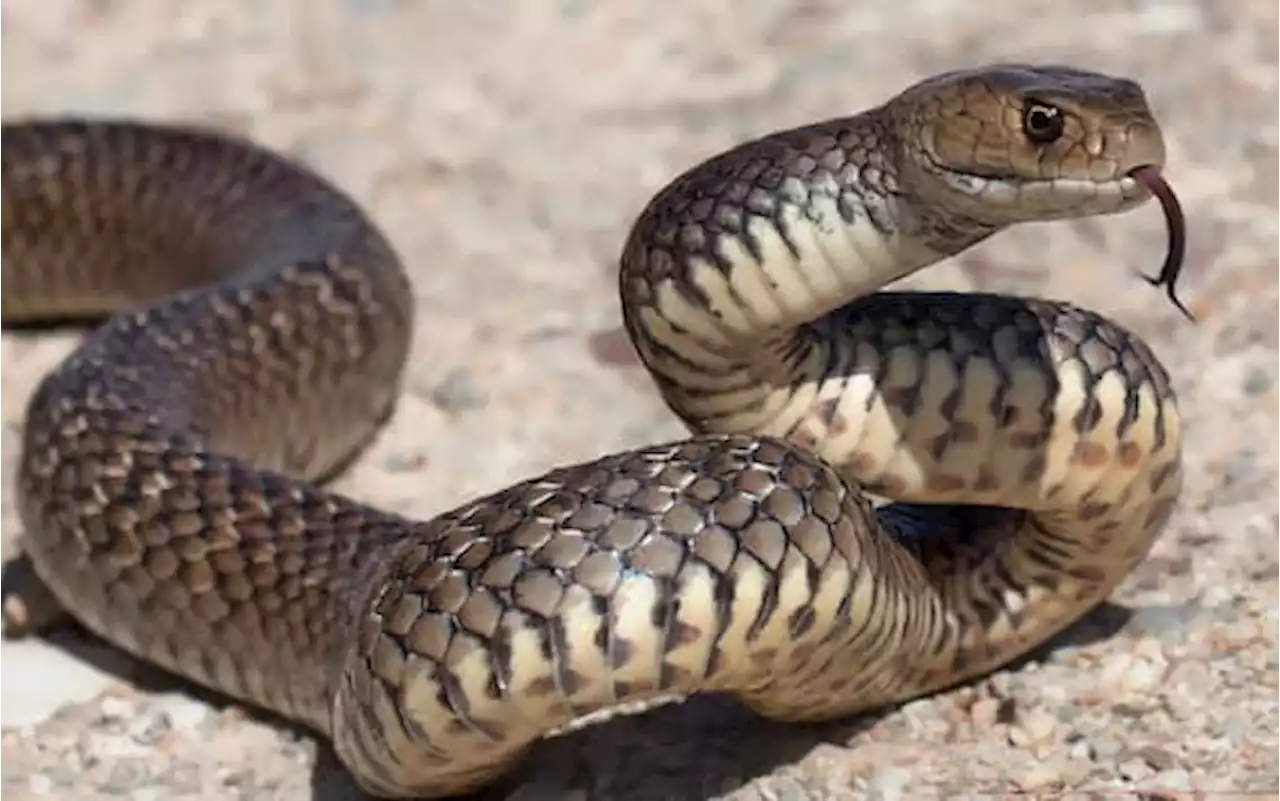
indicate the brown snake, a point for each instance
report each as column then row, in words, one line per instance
column 260, row 326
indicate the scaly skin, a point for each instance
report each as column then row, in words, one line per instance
column 169, row 477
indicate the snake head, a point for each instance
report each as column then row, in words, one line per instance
column 1018, row 143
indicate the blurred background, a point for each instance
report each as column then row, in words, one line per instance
column 506, row 147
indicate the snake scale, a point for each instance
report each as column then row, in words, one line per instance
column 258, row 325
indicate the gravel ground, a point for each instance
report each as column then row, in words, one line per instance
column 506, row 146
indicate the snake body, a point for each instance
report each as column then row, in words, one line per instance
column 259, row 326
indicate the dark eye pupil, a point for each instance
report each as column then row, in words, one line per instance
column 1043, row 123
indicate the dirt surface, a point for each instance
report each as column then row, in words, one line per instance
column 506, row 146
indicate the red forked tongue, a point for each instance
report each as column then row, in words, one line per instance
column 1149, row 176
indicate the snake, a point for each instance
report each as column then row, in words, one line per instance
column 884, row 493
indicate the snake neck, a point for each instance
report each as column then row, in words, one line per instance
column 737, row 279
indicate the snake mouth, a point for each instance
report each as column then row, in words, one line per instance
column 1151, row 179
column 1145, row 177
column 1125, row 189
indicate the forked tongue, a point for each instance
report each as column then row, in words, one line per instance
column 1149, row 176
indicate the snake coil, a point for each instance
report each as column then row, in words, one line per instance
column 258, row 327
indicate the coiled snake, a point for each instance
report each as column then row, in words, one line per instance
column 260, row 325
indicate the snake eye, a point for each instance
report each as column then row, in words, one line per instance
column 1042, row 123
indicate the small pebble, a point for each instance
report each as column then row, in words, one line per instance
column 1038, row 777
column 40, row 784
column 1164, row 619
column 458, row 391
column 183, row 714
column 988, row 712
column 149, row 726
column 1104, row 747
column 1176, row 779
column 1039, row 725
column 1127, row 673
column 1257, row 381
column 1157, row 757
column 115, row 708
column 888, row 784
column 1135, row 769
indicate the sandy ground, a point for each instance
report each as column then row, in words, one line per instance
column 506, row 146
